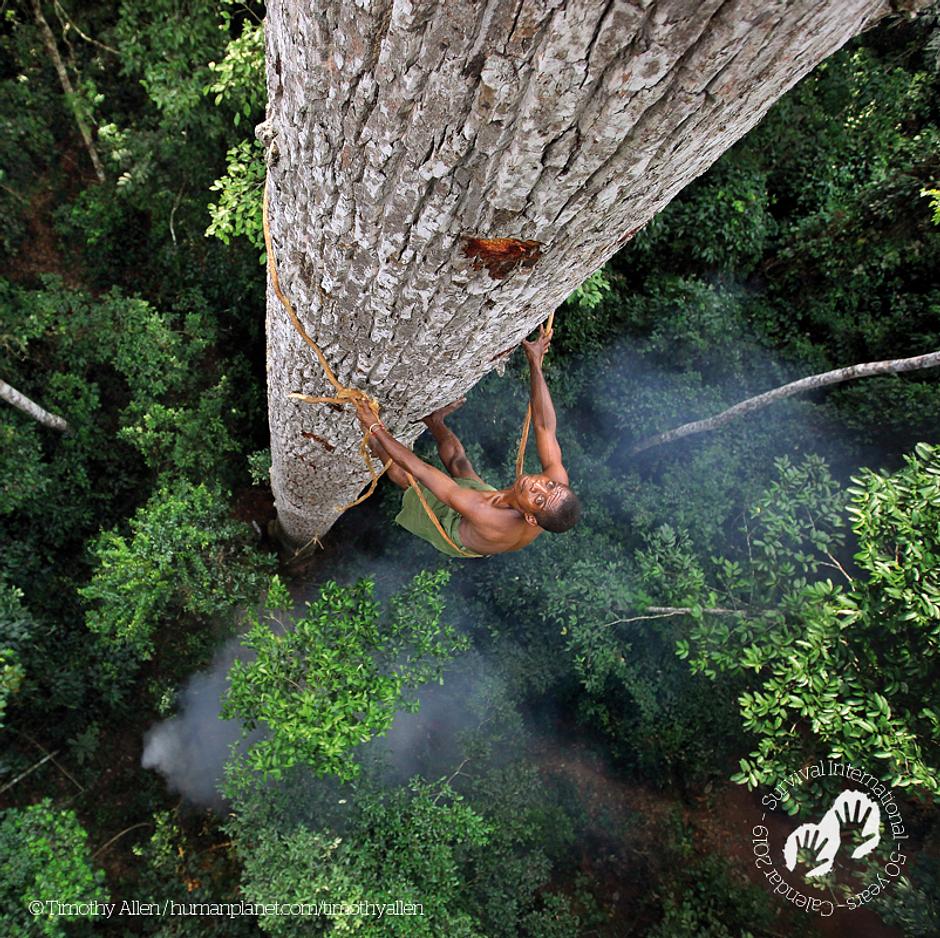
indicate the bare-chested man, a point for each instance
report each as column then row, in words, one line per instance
column 480, row 519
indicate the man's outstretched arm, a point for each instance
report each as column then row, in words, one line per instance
column 439, row 483
column 544, row 422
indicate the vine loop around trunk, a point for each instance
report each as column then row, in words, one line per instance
column 344, row 395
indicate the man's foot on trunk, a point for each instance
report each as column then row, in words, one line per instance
column 438, row 415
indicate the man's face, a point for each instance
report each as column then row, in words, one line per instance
column 539, row 492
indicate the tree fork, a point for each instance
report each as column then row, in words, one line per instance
column 404, row 139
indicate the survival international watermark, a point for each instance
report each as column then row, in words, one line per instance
column 861, row 816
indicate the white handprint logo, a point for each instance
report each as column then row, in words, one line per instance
column 824, row 839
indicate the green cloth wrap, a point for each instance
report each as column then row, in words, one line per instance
column 414, row 518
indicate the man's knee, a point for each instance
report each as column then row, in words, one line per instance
column 462, row 468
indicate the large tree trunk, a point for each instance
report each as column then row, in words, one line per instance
column 398, row 129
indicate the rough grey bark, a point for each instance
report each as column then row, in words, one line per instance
column 23, row 403
column 838, row 376
column 397, row 129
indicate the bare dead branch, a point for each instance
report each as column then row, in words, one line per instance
column 838, row 566
column 55, row 762
column 118, row 836
column 667, row 612
column 31, row 408
column 32, row 768
column 16, row 195
column 892, row 366
column 176, row 205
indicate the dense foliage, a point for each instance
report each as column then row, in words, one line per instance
column 44, row 857
column 337, row 675
column 184, row 560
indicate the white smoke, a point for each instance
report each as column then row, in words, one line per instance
column 190, row 749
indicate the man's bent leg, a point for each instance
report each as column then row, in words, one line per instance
column 448, row 445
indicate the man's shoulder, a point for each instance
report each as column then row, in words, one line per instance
column 476, row 485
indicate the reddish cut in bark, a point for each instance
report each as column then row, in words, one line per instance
column 501, row 256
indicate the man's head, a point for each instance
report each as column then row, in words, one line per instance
column 549, row 504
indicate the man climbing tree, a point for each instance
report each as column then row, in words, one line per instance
column 442, row 174
column 470, row 517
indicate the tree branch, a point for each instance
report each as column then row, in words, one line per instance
column 32, row 768
column 49, row 41
column 23, row 403
column 892, row 366
column 667, row 612
column 55, row 762
column 68, row 24
column 457, row 772
column 118, row 836
column 838, row 566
